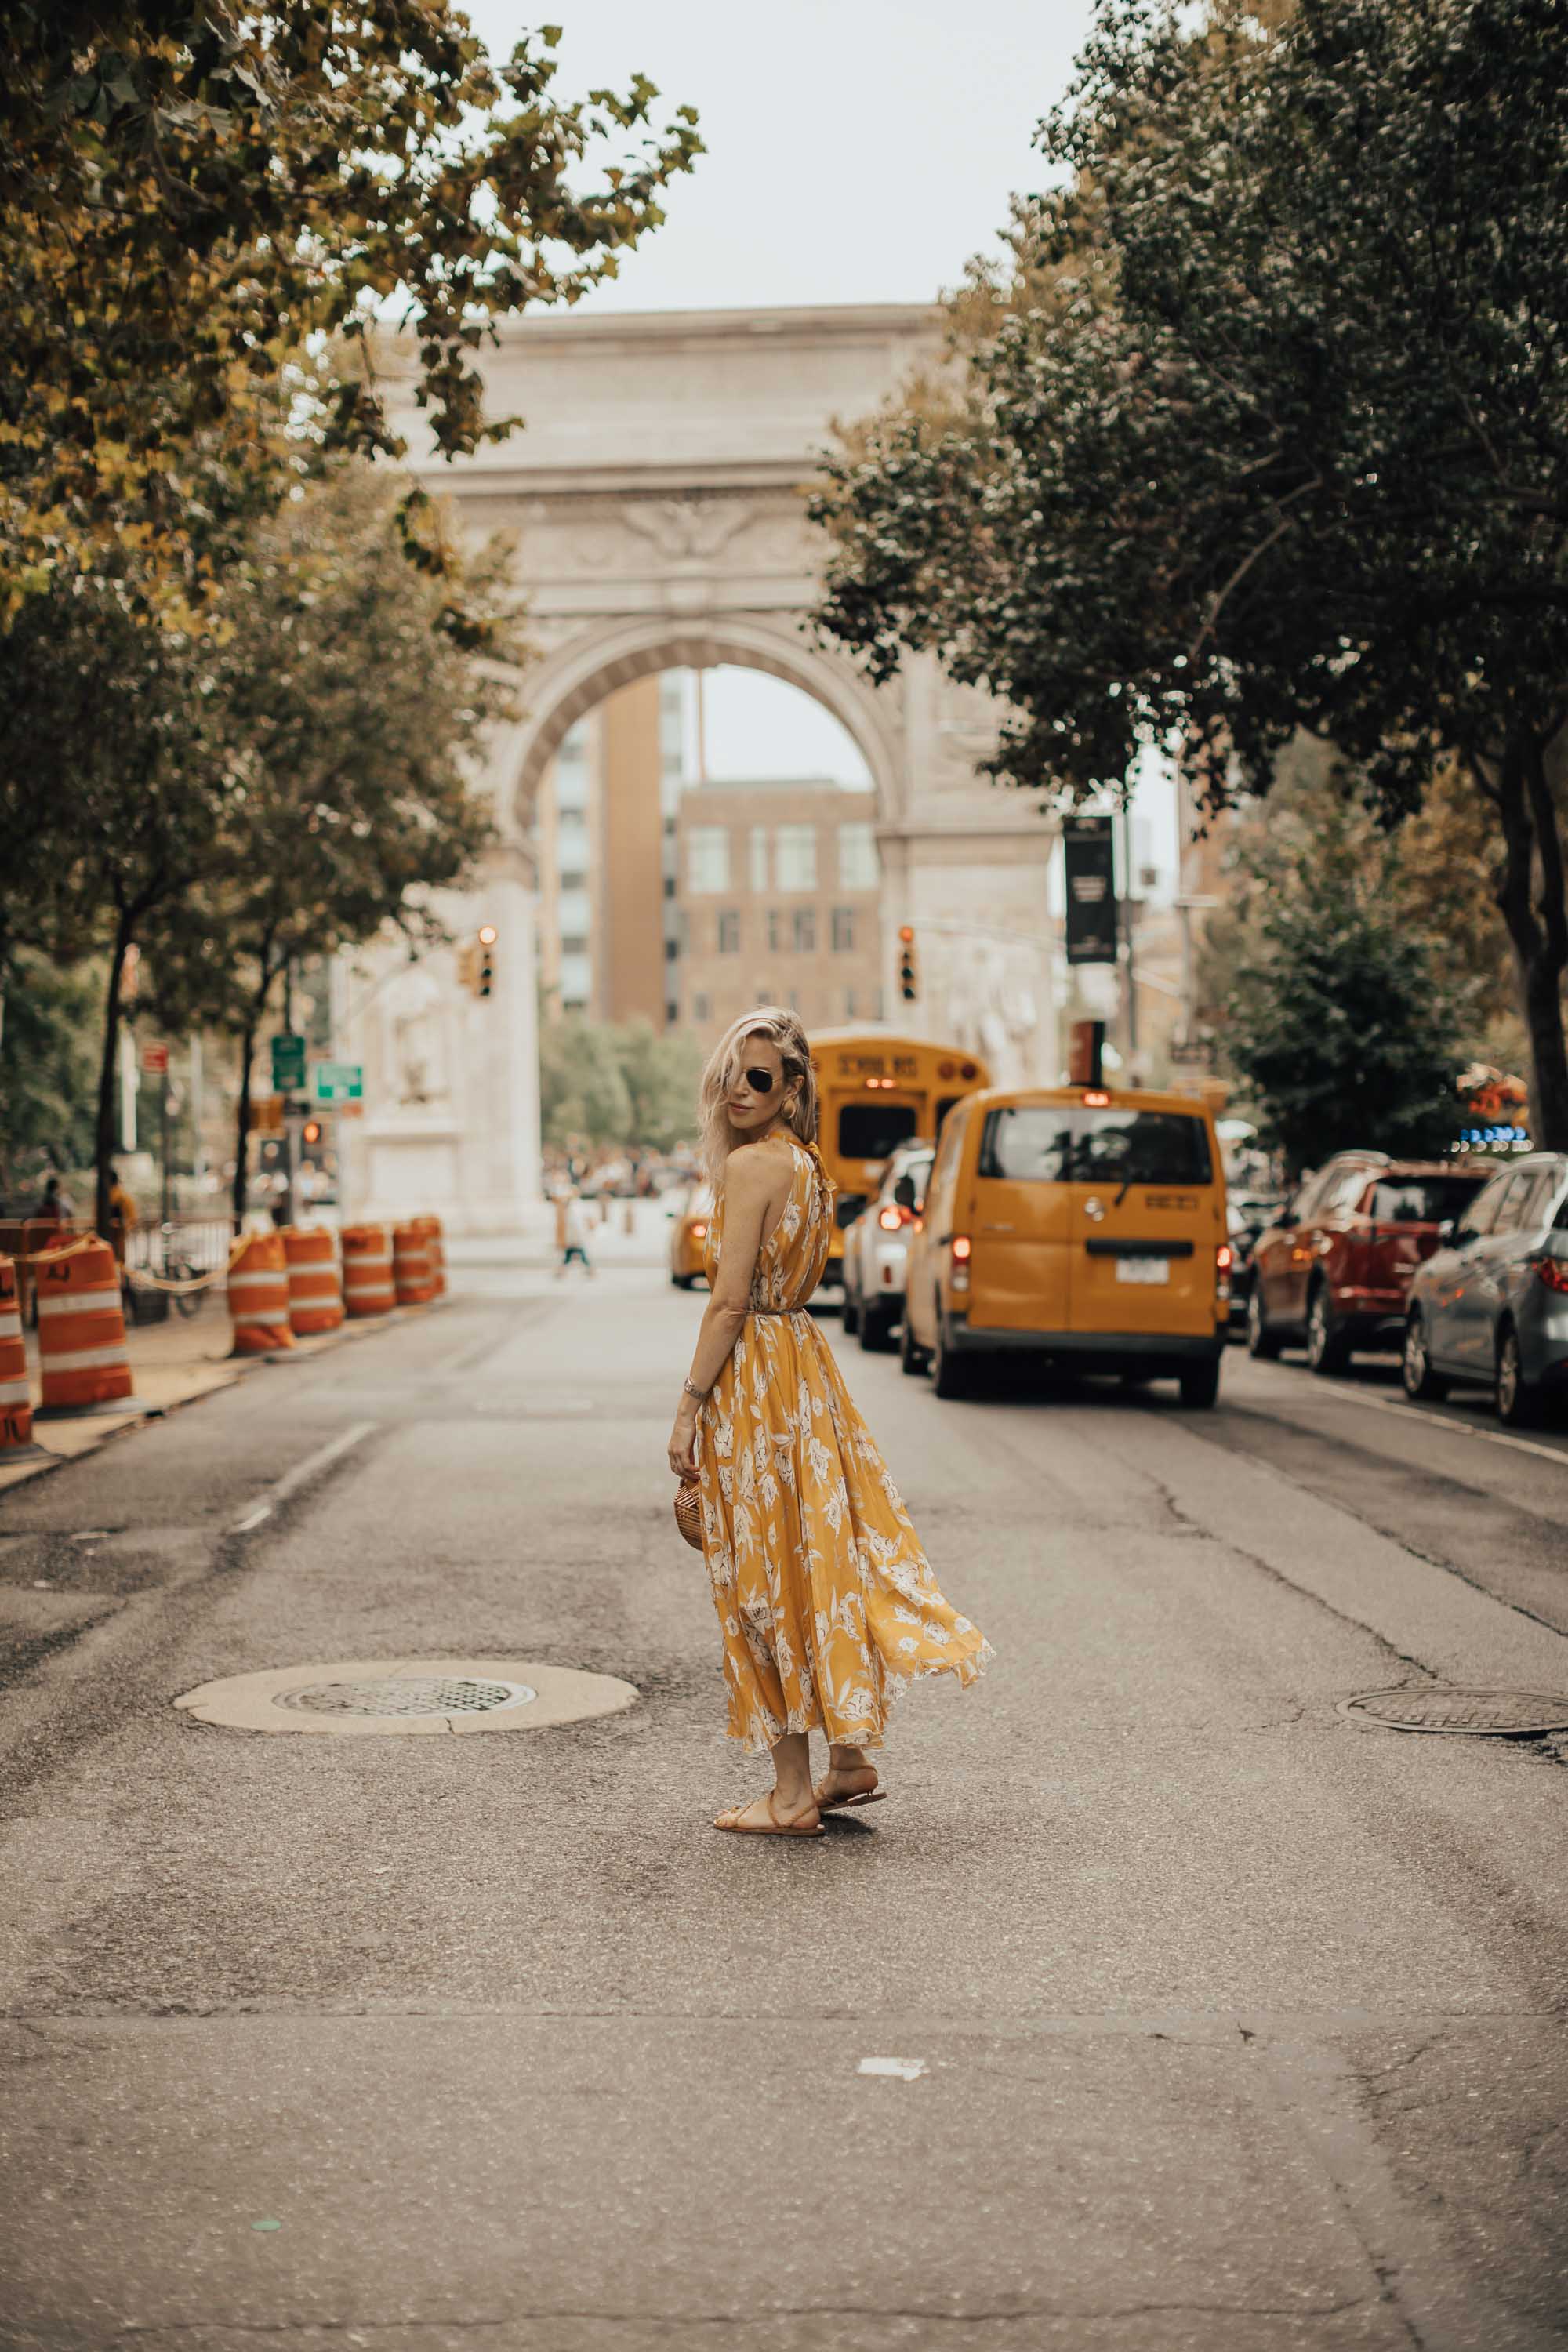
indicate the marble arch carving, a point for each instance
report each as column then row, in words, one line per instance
column 653, row 500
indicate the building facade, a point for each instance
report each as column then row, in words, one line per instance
column 778, row 899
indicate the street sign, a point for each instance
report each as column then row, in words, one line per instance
column 288, row 1062
column 1090, row 856
column 338, row 1082
column 155, row 1061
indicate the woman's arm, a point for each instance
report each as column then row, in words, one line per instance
column 753, row 1180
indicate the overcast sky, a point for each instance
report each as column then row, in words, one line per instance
column 859, row 150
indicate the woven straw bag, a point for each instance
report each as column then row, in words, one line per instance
column 688, row 1512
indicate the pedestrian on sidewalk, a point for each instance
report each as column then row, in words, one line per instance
column 827, row 1605
column 571, row 1233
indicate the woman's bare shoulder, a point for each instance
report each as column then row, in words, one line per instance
column 755, row 1168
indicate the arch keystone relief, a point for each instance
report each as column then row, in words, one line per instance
column 655, row 497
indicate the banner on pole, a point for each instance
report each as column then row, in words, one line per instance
column 1089, row 852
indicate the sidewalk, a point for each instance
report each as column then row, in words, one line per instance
column 172, row 1364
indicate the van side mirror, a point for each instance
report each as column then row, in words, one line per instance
column 904, row 1193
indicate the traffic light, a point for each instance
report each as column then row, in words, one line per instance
column 311, row 1131
column 909, row 969
column 476, row 961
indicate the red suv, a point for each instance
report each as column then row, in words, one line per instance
column 1334, row 1268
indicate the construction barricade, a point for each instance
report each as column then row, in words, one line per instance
column 431, row 1228
column 259, row 1295
column 315, row 1287
column 411, row 1264
column 15, row 1394
column 83, row 1365
column 367, row 1271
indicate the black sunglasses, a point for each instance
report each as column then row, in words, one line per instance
column 761, row 1082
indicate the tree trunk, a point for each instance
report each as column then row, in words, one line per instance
column 103, row 1145
column 242, row 1125
column 1530, row 896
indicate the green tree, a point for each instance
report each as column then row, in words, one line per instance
column 662, row 1075
column 193, row 197
column 1336, row 1013
column 583, row 1093
column 116, row 730
column 47, row 1071
column 353, row 713
column 1281, row 444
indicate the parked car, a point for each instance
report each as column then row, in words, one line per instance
column 1075, row 1223
column 1247, row 1215
column 1491, row 1304
column 687, row 1232
column 876, row 1248
column 1334, row 1271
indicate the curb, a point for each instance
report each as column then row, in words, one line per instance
column 136, row 1415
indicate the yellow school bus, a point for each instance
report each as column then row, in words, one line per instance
column 874, row 1090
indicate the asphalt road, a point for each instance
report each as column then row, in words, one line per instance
column 1228, row 2024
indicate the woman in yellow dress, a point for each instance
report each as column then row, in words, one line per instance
column 828, row 1605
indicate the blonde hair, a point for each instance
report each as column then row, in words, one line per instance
column 781, row 1028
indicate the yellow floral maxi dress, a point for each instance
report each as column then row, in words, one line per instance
column 828, row 1604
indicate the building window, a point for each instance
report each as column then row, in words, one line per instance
column 806, row 930
column 844, row 930
column 775, row 931
column 797, row 857
column 573, row 943
column 671, row 950
column 730, row 931
column 850, row 1007
column 857, row 857
column 708, row 857
column 759, row 857
column 700, row 1007
column 671, row 1015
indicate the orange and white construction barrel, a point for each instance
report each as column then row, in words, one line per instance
column 259, row 1295
column 367, row 1271
column 16, row 1390
column 431, row 1229
column 315, row 1287
column 82, row 1360
column 411, row 1265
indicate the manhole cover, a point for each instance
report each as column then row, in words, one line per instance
column 428, row 1697
column 1494, row 1714
column 409, row 1694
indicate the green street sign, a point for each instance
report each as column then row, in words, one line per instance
column 288, row 1062
column 336, row 1082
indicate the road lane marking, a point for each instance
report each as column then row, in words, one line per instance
column 908, row 2069
column 1439, row 1421
column 292, row 1480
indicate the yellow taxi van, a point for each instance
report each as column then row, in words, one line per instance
column 688, row 1235
column 1078, row 1222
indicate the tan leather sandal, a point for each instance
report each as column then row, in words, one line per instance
column 796, row 1829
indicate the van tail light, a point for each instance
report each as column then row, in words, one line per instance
column 698, row 1231
column 961, row 1255
column 1224, row 1259
column 1552, row 1272
column 891, row 1219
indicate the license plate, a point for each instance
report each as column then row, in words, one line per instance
column 1143, row 1269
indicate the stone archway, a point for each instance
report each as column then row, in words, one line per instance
column 654, row 501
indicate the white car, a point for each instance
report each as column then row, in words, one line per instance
column 876, row 1247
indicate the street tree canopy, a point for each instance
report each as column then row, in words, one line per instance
column 1279, row 439
column 203, row 205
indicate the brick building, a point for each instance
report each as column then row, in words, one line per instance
column 778, row 902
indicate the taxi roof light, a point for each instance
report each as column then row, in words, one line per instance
column 1096, row 1099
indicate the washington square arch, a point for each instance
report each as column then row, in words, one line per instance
column 654, row 493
